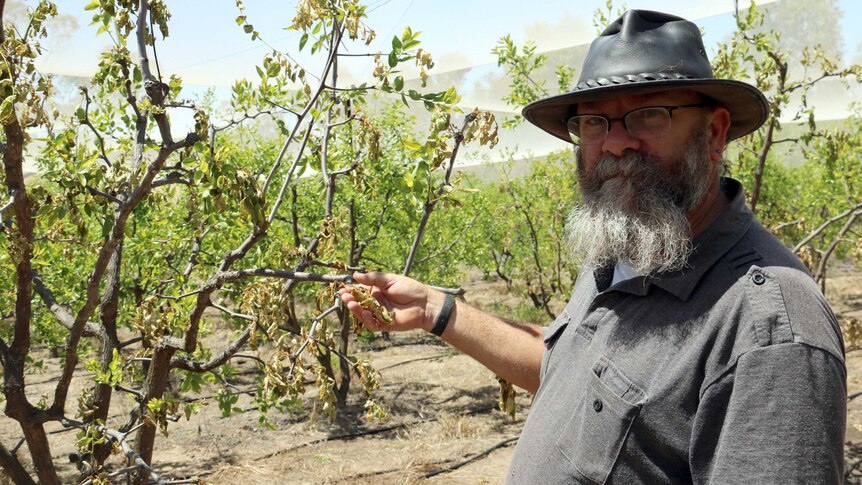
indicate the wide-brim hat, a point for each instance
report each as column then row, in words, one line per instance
column 646, row 52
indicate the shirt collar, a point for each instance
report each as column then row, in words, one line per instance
column 709, row 247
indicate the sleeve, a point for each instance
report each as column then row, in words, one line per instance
column 777, row 418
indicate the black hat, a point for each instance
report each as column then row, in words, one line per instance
column 647, row 52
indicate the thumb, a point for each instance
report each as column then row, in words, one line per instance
column 374, row 278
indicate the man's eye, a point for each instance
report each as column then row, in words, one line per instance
column 592, row 122
column 651, row 113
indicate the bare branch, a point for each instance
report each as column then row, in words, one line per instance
column 286, row 109
column 280, row 199
column 226, row 276
column 86, row 122
column 186, row 363
column 340, row 123
column 246, row 117
column 196, row 250
column 352, row 88
column 839, row 238
column 108, row 196
column 61, row 313
column 823, row 226
column 231, row 313
column 781, row 226
column 120, row 438
column 312, row 335
column 138, row 394
column 169, row 180
column 131, row 341
column 451, row 245
column 429, row 205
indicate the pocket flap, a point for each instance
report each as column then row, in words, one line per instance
column 552, row 331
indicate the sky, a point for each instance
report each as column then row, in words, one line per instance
column 208, row 50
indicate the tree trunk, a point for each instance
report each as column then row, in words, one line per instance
column 154, row 388
column 103, row 392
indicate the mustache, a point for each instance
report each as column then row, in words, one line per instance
column 630, row 164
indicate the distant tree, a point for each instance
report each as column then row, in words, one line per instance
column 801, row 24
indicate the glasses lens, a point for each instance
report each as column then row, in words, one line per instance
column 646, row 123
column 587, row 129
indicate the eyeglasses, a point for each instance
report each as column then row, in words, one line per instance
column 642, row 123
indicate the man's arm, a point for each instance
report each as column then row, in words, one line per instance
column 777, row 418
column 513, row 351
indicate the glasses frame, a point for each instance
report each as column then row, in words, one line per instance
column 609, row 121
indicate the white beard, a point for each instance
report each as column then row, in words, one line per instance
column 633, row 211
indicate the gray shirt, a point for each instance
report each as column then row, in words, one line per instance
column 729, row 371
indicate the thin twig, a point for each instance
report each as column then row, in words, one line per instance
column 473, row 458
column 826, row 224
column 311, row 336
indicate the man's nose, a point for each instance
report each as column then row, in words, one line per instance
column 619, row 140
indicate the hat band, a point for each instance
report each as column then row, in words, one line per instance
column 631, row 78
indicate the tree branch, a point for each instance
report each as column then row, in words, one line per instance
column 186, row 363
column 62, row 314
column 312, row 335
column 8, row 460
column 451, row 245
column 823, row 226
column 99, row 193
column 429, row 205
column 119, row 438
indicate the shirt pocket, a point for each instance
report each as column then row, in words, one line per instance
column 593, row 437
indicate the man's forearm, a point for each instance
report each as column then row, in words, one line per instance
column 513, row 351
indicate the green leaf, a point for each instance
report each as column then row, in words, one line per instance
column 398, row 84
column 409, row 178
column 248, row 28
column 92, row 5
column 396, row 43
column 303, row 40
column 393, row 59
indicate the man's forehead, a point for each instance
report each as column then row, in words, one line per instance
column 671, row 97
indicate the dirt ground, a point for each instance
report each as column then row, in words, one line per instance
column 444, row 427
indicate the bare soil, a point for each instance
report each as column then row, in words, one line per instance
column 443, row 428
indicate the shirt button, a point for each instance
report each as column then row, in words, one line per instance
column 758, row 278
column 597, row 405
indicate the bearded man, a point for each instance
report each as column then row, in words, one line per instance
column 695, row 348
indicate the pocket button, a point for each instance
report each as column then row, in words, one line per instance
column 597, row 405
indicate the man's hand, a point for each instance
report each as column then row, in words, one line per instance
column 414, row 304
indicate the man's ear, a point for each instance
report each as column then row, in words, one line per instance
column 719, row 122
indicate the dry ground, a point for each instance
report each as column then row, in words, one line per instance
column 443, row 414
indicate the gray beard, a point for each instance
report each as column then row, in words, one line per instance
column 639, row 218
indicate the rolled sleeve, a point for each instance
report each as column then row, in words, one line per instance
column 778, row 417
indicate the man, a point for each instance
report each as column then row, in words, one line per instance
column 695, row 348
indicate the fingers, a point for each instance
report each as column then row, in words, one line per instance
column 368, row 319
column 374, row 278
